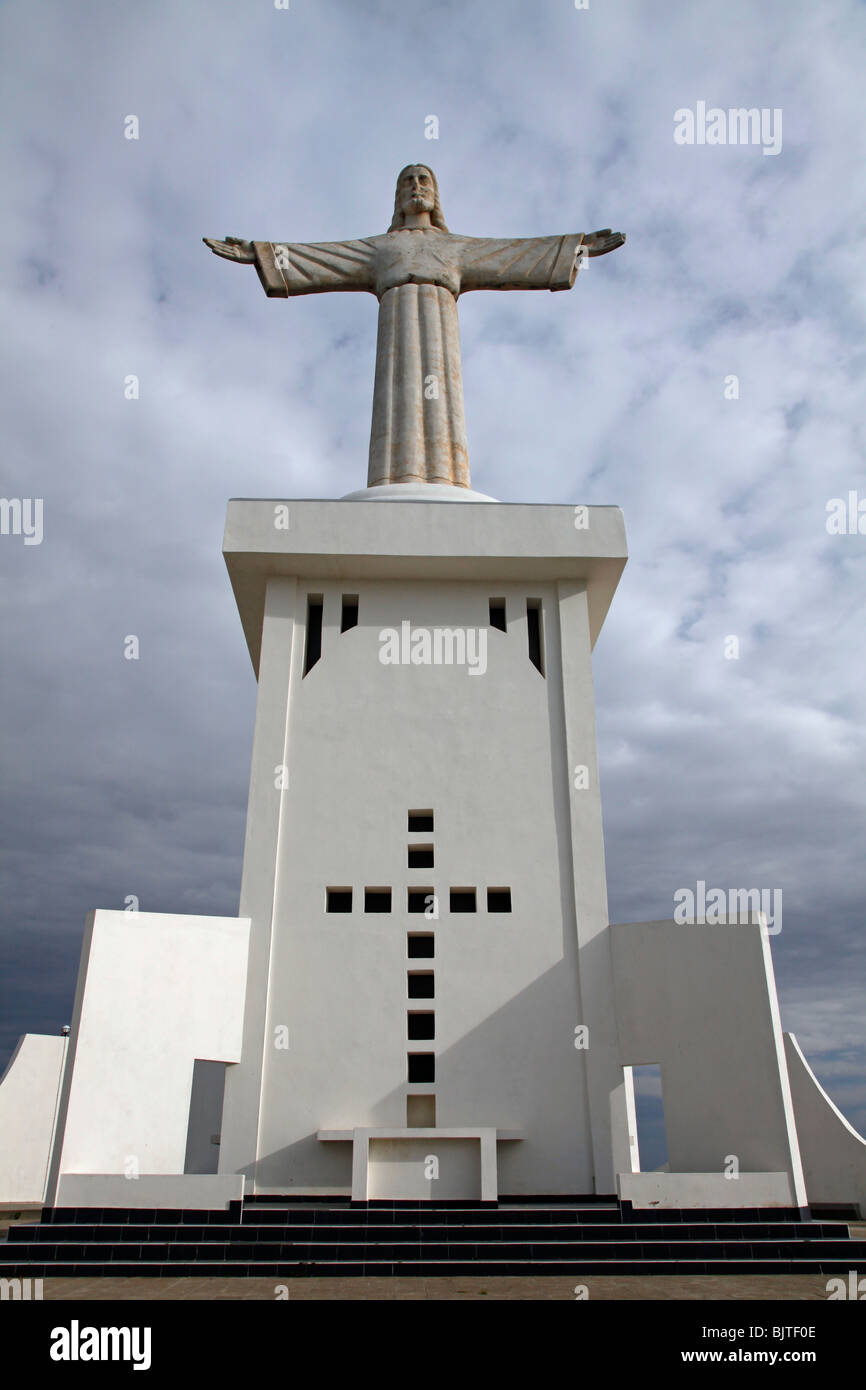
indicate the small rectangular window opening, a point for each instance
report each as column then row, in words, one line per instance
column 420, row 821
column 462, row 900
column 420, row 857
column 421, row 946
column 377, row 899
column 499, row 900
column 422, row 1066
column 421, row 1112
column 421, row 1027
column 339, row 900
column 420, row 984
column 420, row 899
column 313, row 647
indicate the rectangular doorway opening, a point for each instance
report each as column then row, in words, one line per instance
column 205, row 1117
column 649, row 1107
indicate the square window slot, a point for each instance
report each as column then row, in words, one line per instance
column 422, row 1066
column 377, row 899
column 420, row 857
column 421, row 984
column 420, row 1112
column 420, row 899
column 338, row 900
column 463, row 900
column 421, row 1027
column 499, row 900
column 420, row 821
column 421, row 946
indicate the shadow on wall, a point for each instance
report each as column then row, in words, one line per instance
column 506, row 1047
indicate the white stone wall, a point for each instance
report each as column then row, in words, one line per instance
column 833, row 1153
column 367, row 743
column 700, row 1002
column 155, row 992
column 29, row 1099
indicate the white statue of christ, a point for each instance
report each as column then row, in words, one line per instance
column 417, row 269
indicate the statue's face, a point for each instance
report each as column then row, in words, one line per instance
column 416, row 192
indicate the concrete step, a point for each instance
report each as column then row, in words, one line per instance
column 324, row 1233
column 427, row 1268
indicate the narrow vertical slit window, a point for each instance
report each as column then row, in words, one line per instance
column 535, row 633
column 497, row 614
column 349, row 614
column 313, row 648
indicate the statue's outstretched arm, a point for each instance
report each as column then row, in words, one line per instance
column 290, row 268
column 529, row 263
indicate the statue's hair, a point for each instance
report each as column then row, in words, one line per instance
column 436, row 218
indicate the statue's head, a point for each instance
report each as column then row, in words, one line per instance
column 417, row 191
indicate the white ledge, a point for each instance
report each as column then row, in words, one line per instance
column 346, row 1136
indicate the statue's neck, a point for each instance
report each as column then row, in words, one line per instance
column 416, row 220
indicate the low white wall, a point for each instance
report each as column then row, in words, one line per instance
column 155, row 992
column 397, row 1169
column 29, row 1097
column 394, row 1164
column 669, row 1191
column 833, row 1153
column 700, row 1002
column 162, row 1191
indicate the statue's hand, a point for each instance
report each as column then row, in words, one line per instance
column 599, row 243
column 232, row 249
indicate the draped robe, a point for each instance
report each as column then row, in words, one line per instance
column 418, row 433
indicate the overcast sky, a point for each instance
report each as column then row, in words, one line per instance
column 130, row 777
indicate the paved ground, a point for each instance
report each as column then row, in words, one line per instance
column 600, row 1288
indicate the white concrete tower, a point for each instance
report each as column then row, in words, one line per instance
column 424, row 866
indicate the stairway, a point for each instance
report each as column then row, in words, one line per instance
column 294, row 1237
